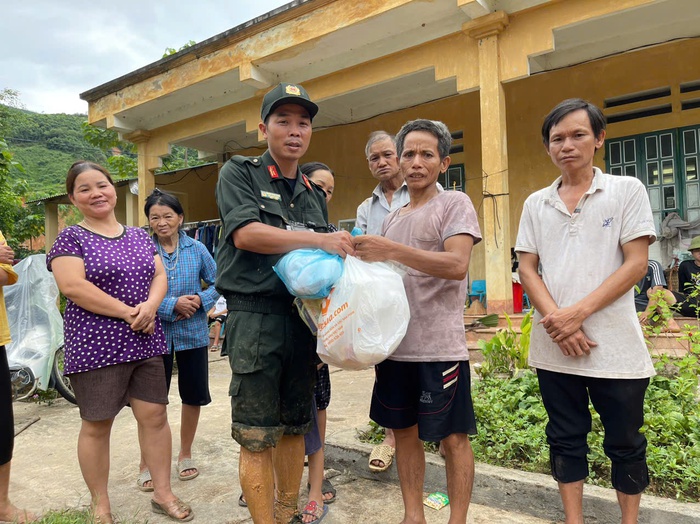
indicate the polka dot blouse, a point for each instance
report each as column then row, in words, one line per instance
column 122, row 267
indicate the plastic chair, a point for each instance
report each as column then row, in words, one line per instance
column 478, row 290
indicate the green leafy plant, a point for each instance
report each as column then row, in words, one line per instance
column 374, row 434
column 657, row 321
column 511, row 424
column 508, row 349
column 47, row 397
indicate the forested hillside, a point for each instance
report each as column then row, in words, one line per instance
column 36, row 151
column 46, row 145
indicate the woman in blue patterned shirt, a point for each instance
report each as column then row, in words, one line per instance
column 183, row 314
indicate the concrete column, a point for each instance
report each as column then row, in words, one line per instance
column 131, row 207
column 146, row 165
column 50, row 224
column 494, row 158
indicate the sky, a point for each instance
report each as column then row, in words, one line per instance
column 51, row 51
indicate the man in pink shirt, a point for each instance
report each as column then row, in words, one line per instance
column 422, row 391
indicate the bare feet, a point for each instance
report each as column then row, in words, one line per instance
column 673, row 326
column 12, row 513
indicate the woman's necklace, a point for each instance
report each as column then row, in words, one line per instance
column 87, row 226
column 175, row 257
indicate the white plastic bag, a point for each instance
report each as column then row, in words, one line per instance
column 364, row 318
column 36, row 325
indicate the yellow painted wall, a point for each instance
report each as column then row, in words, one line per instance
column 529, row 101
column 343, row 149
column 195, row 190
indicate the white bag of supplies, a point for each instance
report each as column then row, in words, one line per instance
column 364, row 318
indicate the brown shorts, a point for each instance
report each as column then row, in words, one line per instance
column 102, row 393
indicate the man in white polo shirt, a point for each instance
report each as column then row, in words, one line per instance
column 589, row 233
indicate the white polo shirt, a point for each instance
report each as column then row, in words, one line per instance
column 373, row 210
column 577, row 253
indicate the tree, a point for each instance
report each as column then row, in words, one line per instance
column 121, row 155
column 18, row 222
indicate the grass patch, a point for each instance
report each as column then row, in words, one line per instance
column 74, row 516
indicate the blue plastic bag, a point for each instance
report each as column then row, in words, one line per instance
column 309, row 273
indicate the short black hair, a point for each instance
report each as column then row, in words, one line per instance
column 161, row 198
column 556, row 115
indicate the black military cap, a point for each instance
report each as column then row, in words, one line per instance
column 287, row 94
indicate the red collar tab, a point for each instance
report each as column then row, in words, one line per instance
column 306, row 181
column 273, row 171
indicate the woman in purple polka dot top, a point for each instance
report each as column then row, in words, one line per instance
column 114, row 281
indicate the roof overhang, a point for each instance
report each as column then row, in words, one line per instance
column 646, row 25
column 313, row 40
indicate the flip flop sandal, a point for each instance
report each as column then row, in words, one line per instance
column 314, row 511
column 383, row 453
column 326, row 487
column 144, row 476
column 183, row 466
column 242, row 502
column 171, row 510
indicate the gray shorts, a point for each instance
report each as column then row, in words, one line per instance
column 102, row 393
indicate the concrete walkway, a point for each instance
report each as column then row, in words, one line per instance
column 46, row 474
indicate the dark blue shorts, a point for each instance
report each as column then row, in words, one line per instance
column 434, row 395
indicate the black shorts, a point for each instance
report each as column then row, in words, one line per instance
column 434, row 395
column 192, row 375
column 7, row 425
column 322, row 391
column 620, row 404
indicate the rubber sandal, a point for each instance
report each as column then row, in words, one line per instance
column 326, row 487
column 184, row 465
column 171, row 510
column 242, row 502
column 144, row 476
column 314, row 511
column 383, row 453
